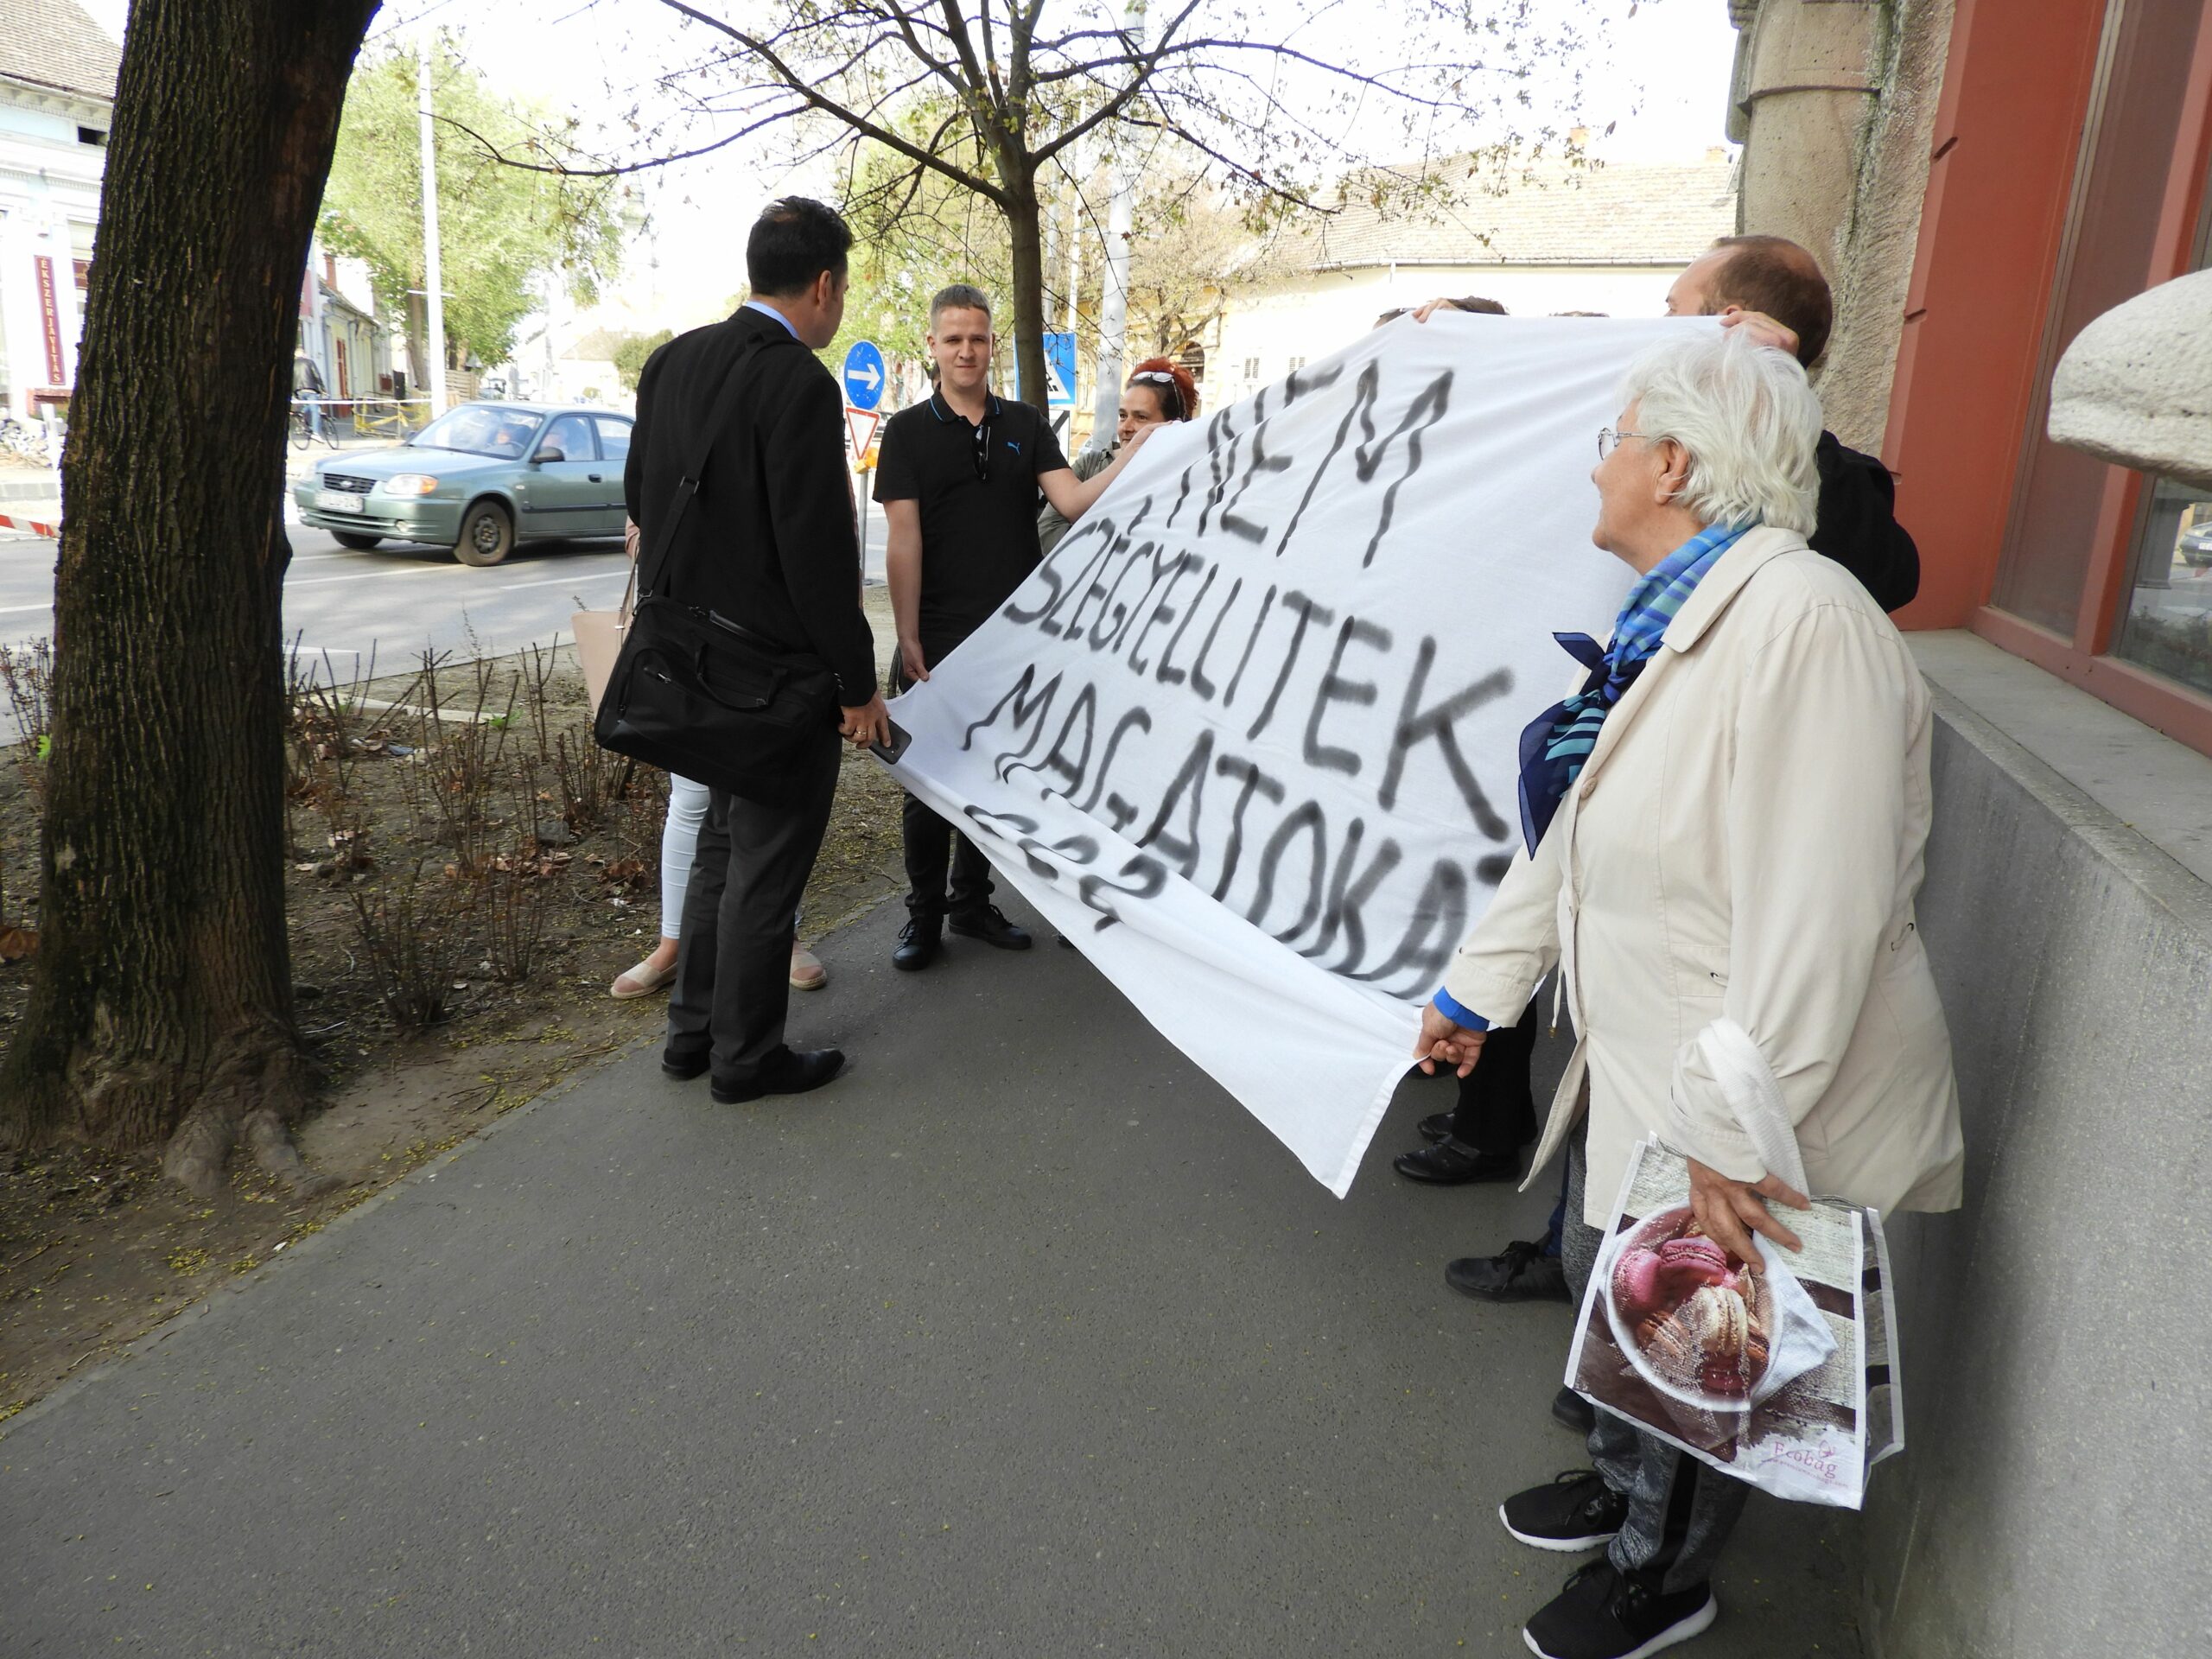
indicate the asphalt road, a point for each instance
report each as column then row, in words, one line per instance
column 392, row 601
column 1021, row 1339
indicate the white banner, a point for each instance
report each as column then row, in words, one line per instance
column 1250, row 736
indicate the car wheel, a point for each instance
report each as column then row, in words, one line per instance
column 488, row 535
column 360, row 540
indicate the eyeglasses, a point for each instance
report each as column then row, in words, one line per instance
column 1609, row 440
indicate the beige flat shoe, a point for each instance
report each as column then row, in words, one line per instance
column 641, row 981
column 807, row 972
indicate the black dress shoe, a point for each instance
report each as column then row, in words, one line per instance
column 1574, row 1412
column 791, row 1073
column 1524, row 1273
column 918, row 943
column 681, row 1067
column 990, row 925
column 1449, row 1163
column 1436, row 1127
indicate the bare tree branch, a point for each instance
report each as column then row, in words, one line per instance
column 853, row 118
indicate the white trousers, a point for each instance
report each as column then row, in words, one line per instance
column 679, row 840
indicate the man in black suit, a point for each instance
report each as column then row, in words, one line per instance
column 768, row 543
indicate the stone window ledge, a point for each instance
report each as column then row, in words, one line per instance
column 2143, row 800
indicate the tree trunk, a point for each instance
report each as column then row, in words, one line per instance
column 1023, row 224
column 161, row 1007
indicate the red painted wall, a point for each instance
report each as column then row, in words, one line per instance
column 2008, row 136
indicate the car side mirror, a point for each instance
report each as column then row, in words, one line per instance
column 548, row 452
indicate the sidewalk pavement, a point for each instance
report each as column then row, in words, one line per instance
column 1021, row 1339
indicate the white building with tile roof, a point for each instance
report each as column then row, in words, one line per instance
column 57, row 95
column 1608, row 238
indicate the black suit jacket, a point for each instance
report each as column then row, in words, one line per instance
column 1857, row 526
column 770, row 541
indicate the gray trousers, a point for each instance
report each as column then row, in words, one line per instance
column 1680, row 1510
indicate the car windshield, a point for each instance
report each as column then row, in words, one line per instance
column 481, row 430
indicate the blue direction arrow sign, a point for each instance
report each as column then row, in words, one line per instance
column 864, row 374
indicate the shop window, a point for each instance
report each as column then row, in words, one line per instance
column 2111, row 247
column 2165, row 617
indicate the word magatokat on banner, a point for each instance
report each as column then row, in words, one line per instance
column 1249, row 734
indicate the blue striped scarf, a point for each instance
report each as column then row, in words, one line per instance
column 1557, row 742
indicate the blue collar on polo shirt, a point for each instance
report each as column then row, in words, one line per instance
column 944, row 410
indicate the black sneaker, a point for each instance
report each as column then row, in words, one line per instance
column 1605, row 1613
column 1524, row 1273
column 1576, row 1511
column 990, row 925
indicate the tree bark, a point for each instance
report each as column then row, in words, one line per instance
column 1024, row 223
column 161, row 1007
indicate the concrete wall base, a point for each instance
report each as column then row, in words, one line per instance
column 2057, row 1336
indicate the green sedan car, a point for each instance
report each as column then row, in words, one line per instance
column 478, row 479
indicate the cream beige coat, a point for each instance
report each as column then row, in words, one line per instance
column 1745, row 840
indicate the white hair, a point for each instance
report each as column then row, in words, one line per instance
column 1748, row 419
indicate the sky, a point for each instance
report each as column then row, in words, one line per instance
column 1664, row 80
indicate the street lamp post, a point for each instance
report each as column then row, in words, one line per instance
column 434, row 301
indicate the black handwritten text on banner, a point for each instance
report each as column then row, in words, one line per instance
column 1248, row 735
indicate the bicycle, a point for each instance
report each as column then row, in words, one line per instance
column 303, row 426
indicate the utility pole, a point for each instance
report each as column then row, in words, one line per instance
column 1074, row 289
column 1114, row 298
column 434, row 295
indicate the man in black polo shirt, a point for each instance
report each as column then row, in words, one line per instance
column 958, row 477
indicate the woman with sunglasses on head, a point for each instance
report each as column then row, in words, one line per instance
column 1159, row 393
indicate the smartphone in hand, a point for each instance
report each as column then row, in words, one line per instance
column 892, row 751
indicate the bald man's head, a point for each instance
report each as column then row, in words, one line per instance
column 1760, row 273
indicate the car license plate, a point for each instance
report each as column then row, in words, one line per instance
column 340, row 501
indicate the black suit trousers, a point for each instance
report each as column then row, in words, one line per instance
column 733, row 958
column 1497, row 1113
column 932, row 845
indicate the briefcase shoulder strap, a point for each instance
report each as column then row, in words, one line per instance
column 653, row 560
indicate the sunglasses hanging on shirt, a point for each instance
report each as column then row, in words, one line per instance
column 982, row 452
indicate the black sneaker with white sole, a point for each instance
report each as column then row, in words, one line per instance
column 1605, row 1613
column 1577, row 1510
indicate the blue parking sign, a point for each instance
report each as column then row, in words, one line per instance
column 864, row 375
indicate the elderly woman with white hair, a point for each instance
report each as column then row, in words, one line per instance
column 1724, row 833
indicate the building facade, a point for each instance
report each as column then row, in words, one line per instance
column 1985, row 179
column 57, row 96
column 1609, row 239
column 340, row 332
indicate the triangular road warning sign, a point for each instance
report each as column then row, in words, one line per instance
column 860, row 429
